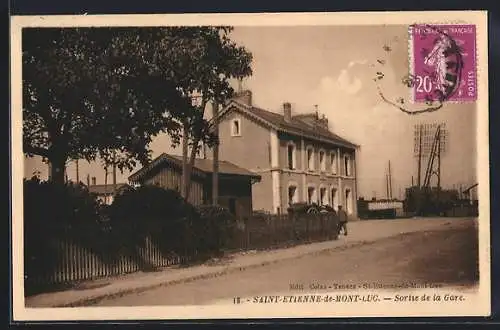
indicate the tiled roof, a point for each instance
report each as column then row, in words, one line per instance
column 102, row 189
column 296, row 126
column 201, row 166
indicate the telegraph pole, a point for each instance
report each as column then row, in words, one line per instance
column 390, row 181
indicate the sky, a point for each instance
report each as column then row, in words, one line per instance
column 333, row 67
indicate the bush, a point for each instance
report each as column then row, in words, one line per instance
column 63, row 209
column 149, row 202
column 151, row 211
column 55, row 213
column 213, row 228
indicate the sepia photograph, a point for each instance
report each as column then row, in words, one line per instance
column 237, row 166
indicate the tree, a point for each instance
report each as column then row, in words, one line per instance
column 214, row 59
column 204, row 60
column 106, row 92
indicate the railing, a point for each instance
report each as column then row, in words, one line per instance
column 264, row 232
column 70, row 262
column 65, row 262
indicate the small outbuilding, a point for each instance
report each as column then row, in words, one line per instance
column 235, row 183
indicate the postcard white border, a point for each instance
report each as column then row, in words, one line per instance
column 477, row 304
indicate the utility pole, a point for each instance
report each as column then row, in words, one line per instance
column 215, row 174
column 387, row 186
column 390, row 181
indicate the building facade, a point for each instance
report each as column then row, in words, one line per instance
column 235, row 183
column 298, row 158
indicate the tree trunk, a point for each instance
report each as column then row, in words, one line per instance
column 57, row 170
column 184, row 177
column 106, row 184
column 114, row 172
column 189, row 169
column 77, row 173
column 194, row 152
column 215, row 174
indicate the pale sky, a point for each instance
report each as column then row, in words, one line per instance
column 333, row 67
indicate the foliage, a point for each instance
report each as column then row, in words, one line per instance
column 214, row 59
column 53, row 212
column 213, row 228
column 60, row 207
column 150, row 211
column 135, row 82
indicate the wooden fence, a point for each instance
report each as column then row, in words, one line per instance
column 71, row 262
column 65, row 262
column 274, row 231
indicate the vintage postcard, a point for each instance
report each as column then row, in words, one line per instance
column 244, row 166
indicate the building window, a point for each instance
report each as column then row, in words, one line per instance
column 323, row 196
column 291, row 156
column 334, row 199
column 322, row 161
column 310, row 159
column 348, row 201
column 292, row 195
column 347, row 166
column 333, row 162
column 236, row 127
column 311, row 195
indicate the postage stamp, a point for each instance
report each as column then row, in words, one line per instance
column 443, row 59
column 252, row 166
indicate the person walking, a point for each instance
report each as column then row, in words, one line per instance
column 342, row 220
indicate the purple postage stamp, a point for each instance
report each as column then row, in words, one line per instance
column 443, row 63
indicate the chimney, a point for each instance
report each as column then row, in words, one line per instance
column 244, row 97
column 287, row 111
column 93, row 180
